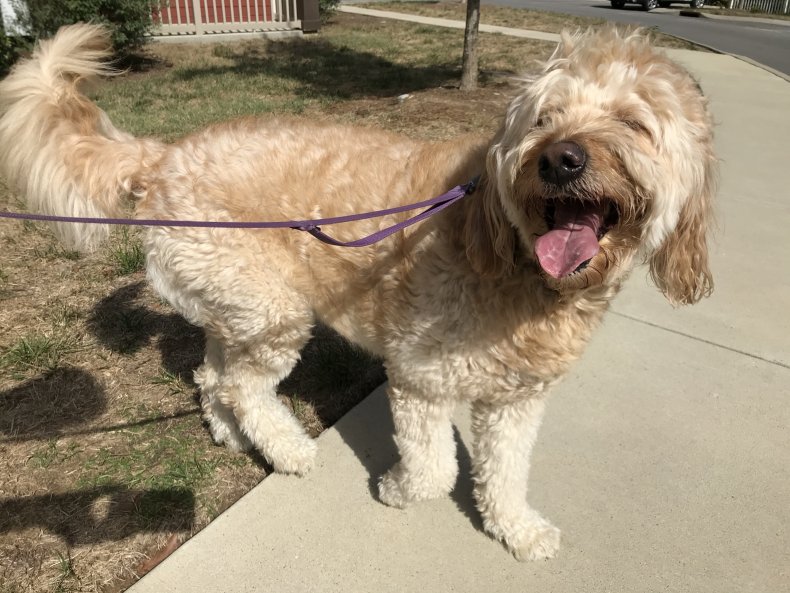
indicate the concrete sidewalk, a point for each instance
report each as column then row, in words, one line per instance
column 447, row 23
column 664, row 457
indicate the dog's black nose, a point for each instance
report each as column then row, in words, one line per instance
column 561, row 163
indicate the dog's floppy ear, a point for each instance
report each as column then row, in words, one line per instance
column 489, row 238
column 679, row 267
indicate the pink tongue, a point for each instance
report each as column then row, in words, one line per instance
column 572, row 241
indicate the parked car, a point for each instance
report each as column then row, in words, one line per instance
column 651, row 4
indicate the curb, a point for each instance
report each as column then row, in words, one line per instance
column 750, row 61
column 782, row 75
column 741, row 19
column 448, row 23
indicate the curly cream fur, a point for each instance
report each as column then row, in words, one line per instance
column 456, row 306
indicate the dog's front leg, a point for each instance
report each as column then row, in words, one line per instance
column 424, row 434
column 504, row 436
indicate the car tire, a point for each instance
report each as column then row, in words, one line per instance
column 649, row 5
column 618, row 3
column 697, row 3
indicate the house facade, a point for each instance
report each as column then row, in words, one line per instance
column 201, row 17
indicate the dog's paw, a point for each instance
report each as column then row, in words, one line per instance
column 539, row 541
column 398, row 489
column 237, row 442
column 295, row 456
column 229, row 435
column 390, row 492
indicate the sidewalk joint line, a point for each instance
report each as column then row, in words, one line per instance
column 704, row 341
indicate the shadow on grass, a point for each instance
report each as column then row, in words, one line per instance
column 325, row 69
column 138, row 61
column 47, row 406
column 106, row 513
column 123, row 323
column 332, row 375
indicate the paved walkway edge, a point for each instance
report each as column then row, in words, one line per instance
column 523, row 33
column 452, row 24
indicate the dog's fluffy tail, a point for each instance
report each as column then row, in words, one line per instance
column 57, row 148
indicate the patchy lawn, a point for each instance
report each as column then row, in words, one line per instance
column 104, row 463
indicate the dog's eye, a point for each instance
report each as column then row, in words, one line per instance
column 541, row 122
column 637, row 126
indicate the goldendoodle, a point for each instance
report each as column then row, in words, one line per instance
column 602, row 161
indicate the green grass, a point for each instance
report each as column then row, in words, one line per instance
column 126, row 255
column 168, row 464
column 154, row 457
column 67, row 578
column 55, row 251
column 177, row 102
column 37, row 352
column 64, row 316
column 52, row 453
column 365, row 59
column 175, row 385
column 300, row 406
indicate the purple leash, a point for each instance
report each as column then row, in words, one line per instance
column 313, row 227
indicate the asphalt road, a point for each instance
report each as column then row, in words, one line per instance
column 764, row 43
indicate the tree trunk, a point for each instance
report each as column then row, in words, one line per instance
column 469, row 68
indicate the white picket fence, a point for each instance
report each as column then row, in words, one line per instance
column 767, row 6
column 200, row 17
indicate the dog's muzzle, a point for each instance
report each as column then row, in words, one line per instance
column 561, row 162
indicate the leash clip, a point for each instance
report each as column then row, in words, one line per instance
column 471, row 187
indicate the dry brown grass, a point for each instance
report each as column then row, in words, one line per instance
column 103, row 457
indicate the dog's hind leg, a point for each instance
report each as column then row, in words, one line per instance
column 251, row 371
column 504, row 436
column 219, row 417
column 255, row 327
column 424, row 434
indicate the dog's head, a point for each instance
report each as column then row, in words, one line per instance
column 604, row 159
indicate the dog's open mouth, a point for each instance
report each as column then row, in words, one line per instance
column 575, row 228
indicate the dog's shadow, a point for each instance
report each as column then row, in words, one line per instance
column 332, row 375
column 50, row 405
column 373, row 445
column 124, row 323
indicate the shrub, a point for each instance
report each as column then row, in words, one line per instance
column 10, row 48
column 129, row 20
column 327, row 7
